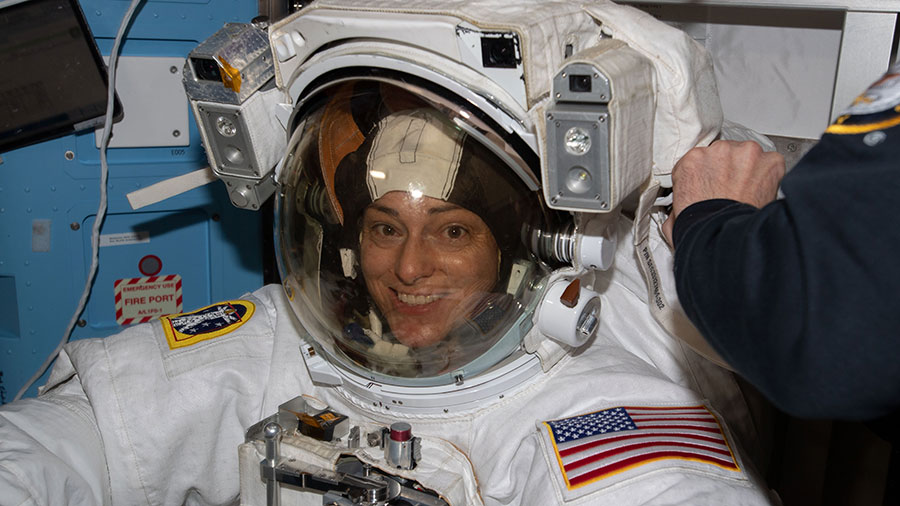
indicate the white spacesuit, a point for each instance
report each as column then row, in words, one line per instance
column 445, row 333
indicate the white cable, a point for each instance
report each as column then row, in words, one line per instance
column 101, row 209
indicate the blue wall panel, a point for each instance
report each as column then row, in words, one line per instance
column 48, row 202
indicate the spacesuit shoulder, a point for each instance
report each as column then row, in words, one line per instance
column 173, row 397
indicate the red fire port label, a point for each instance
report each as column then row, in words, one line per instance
column 139, row 300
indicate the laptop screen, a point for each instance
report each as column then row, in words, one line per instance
column 54, row 80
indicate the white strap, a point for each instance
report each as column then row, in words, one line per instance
column 675, row 322
column 170, row 187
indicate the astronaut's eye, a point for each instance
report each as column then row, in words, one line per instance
column 384, row 230
column 455, row 232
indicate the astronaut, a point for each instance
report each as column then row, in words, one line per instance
column 419, row 237
column 443, row 334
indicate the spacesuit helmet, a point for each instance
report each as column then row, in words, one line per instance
column 402, row 233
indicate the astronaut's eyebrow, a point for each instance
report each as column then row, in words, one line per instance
column 434, row 210
column 443, row 209
column 385, row 210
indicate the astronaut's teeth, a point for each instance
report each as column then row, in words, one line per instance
column 416, row 300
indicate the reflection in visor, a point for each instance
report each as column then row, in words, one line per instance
column 402, row 235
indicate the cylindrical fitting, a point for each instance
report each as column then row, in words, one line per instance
column 553, row 246
column 596, row 243
column 401, row 447
column 272, row 434
column 570, row 320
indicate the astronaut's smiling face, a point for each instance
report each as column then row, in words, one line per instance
column 427, row 264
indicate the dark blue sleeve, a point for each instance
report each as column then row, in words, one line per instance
column 800, row 297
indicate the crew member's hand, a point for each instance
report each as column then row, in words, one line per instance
column 738, row 171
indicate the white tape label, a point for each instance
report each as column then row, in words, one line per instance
column 125, row 238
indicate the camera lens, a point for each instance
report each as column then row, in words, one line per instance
column 498, row 52
column 579, row 83
column 206, row 69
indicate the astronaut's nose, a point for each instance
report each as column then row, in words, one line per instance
column 415, row 261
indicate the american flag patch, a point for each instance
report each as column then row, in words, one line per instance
column 611, row 442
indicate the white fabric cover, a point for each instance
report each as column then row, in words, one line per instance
column 631, row 112
column 414, row 151
column 688, row 108
column 688, row 112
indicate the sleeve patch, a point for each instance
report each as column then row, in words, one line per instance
column 878, row 108
column 597, row 450
column 185, row 329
